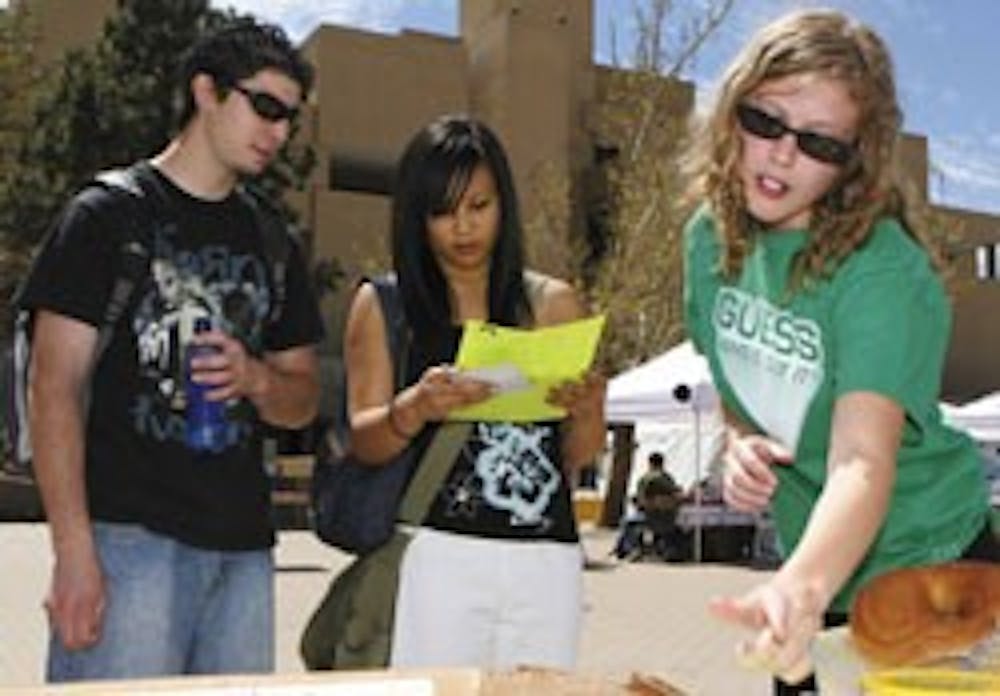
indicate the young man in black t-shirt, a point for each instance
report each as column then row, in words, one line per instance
column 162, row 551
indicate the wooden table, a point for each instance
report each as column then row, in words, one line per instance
column 427, row 682
column 690, row 515
column 726, row 534
column 371, row 683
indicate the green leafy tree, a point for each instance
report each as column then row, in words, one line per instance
column 20, row 82
column 109, row 105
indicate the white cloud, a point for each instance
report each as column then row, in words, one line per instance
column 299, row 17
column 969, row 168
column 906, row 9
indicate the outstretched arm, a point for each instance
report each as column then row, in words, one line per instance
column 786, row 612
column 861, row 470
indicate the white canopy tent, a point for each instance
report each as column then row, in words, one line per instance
column 673, row 387
column 666, row 389
column 675, row 409
column 979, row 418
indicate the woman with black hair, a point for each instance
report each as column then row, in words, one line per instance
column 493, row 577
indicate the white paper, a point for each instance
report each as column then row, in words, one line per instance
column 504, row 378
column 389, row 687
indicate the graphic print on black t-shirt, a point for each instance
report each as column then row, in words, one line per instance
column 506, row 470
column 228, row 286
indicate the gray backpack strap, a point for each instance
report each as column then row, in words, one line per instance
column 138, row 184
column 430, row 472
column 132, row 187
column 135, row 263
column 141, row 182
column 17, row 410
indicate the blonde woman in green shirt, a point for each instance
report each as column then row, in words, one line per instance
column 816, row 301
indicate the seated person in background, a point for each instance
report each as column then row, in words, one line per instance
column 656, row 501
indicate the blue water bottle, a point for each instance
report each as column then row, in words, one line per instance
column 206, row 420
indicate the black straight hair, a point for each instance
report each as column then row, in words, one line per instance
column 432, row 176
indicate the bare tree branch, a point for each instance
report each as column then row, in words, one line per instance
column 713, row 18
column 631, row 267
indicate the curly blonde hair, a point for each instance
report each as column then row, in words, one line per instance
column 834, row 46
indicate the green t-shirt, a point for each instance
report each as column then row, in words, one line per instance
column 880, row 324
column 657, row 490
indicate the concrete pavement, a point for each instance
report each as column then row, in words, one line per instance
column 648, row 617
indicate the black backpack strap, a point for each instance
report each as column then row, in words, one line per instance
column 276, row 243
column 397, row 332
column 448, row 439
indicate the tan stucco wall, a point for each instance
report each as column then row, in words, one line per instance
column 66, row 24
column 374, row 90
column 972, row 367
column 531, row 79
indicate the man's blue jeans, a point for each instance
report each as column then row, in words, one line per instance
column 629, row 534
column 174, row 609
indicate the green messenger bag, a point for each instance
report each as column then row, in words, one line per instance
column 352, row 626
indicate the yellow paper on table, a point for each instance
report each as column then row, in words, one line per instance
column 930, row 682
column 524, row 364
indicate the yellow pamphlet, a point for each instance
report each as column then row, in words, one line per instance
column 523, row 365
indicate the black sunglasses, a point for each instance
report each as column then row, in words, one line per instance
column 823, row 148
column 267, row 106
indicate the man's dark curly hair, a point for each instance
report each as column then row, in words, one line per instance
column 239, row 50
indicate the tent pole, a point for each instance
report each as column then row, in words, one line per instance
column 697, row 480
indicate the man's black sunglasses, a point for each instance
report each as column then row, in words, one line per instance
column 823, row 148
column 267, row 106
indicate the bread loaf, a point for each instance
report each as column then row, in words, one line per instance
column 914, row 616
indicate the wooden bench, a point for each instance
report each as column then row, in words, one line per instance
column 290, row 491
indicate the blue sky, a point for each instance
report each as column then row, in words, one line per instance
column 946, row 54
